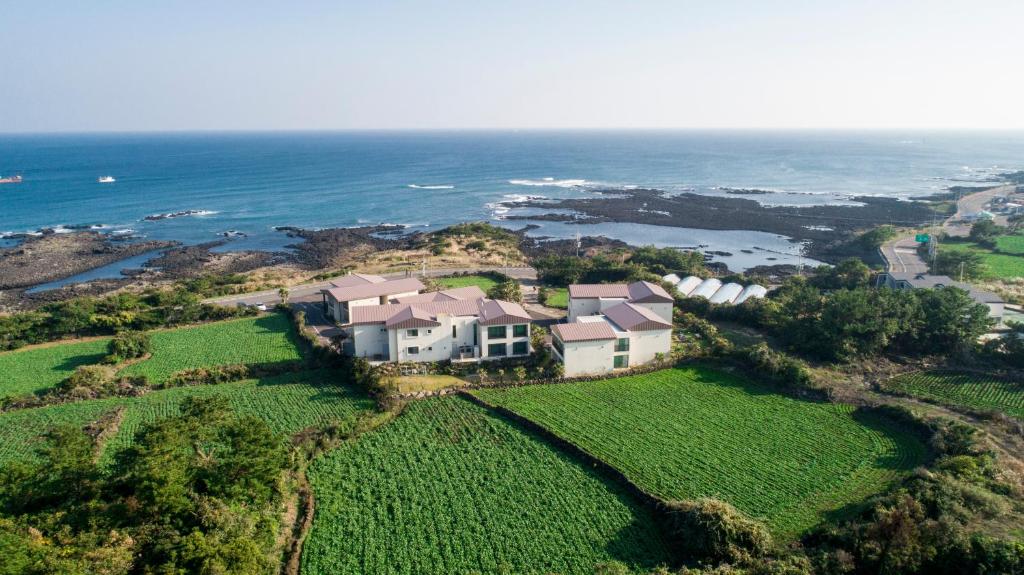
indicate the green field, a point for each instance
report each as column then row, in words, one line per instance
column 483, row 282
column 1011, row 244
column 688, row 433
column 997, row 265
column 449, row 488
column 960, row 389
column 34, row 370
column 265, row 339
column 289, row 403
column 558, row 297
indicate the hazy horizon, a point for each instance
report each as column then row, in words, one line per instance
column 114, row 66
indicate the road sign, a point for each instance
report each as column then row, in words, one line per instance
column 921, row 238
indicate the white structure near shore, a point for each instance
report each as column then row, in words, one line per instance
column 714, row 291
column 609, row 330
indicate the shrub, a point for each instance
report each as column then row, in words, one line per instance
column 128, row 344
column 507, row 290
column 714, row 530
column 777, row 367
column 88, row 380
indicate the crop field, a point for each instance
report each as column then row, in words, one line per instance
column 289, row 403
column 39, row 368
column 687, row 433
column 449, row 488
column 997, row 265
column 483, row 282
column 265, row 339
column 962, row 389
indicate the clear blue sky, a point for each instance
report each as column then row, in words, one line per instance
column 225, row 64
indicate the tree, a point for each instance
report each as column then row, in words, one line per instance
column 507, row 290
column 874, row 239
column 958, row 264
column 128, row 344
column 985, row 232
column 665, row 260
column 283, row 294
column 538, row 339
column 951, row 321
column 848, row 274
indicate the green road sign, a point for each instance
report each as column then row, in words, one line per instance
column 921, row 238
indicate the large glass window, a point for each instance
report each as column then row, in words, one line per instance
column 622, row 344
column 521, row 348
column 497, row 350
column 519, row 330
column 496, row 332
column 621, row 361
column 412, row 333
column 414, row 350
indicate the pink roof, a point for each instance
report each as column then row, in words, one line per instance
column 631, row 317
column 583, row 331
column 375, row 289
column 468, row 292
column 490, row 311
column 498, row 312
column 643, row 292
column 353, row 280
column 411, row 316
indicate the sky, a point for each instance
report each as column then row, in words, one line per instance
column 155, row 65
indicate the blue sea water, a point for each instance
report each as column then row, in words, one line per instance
column 252, row 182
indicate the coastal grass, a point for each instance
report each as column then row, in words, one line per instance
column 970, row 390
column 695, row 432
column 997, row 265
column 483, row 282
column 288, row 403
column 266, row 339
column 36, row 369
column 558, row 298
column 448, row 487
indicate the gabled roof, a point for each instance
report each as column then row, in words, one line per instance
column 631, row 317
column 641, row 292
column 468, row 292
column 411, row 316
column 583, row 331
column 923, row 280
column 498, row 312
column 352, row 280
column 374, row 289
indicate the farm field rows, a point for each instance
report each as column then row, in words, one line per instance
column 288, row 403
column 448, row 487
column 265, row 339
column 961, row 389
column 688, row 433
column 39, row 368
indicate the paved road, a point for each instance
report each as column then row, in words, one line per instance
column 900, row 254
column 311, row 292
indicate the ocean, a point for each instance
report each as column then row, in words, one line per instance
column 252, row 182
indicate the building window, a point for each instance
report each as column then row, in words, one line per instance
column 519, row 330
column 520, row 348
column 496, row 332
column 455, row 334
column 622, row 344
column 413, row 350
column 412, row 333
column 557, row 344
column 621, row 361
column 497, row 350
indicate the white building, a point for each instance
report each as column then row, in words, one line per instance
column 624, row 335
column 456, row 325
column 712, row 289
column 356, row 290
column 593, row 299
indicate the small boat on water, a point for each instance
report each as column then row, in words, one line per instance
column 11, row 180
column 106, row 180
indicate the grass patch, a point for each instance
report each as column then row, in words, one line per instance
column 973, row 391
column 264, row 339
column 997, row 265
column 688, row 433
column 289, row 403
column 449, row 488
column 417, row 383
column 558, row 298
column 37, row 369
column 483, row 282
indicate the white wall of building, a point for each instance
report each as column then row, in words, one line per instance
column 645, row 345
column 583, row 307
column 369, row 340
column 588, row 357
column 663, row 310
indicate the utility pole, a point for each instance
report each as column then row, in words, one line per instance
column 961, row 272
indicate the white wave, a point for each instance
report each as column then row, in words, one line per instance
column 551, row 182
column 431, row 187
column 181, row 214
column 820, row 228
column 521, row 198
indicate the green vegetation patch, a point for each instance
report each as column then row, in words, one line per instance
column 483, row 282
column 266, row 339
column 558, row 297
column 38, row 369
column 289, row 403
column 975, row 391
column 689, row 433
column 996, row 265
column 449, row 488
column 1011, row 244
